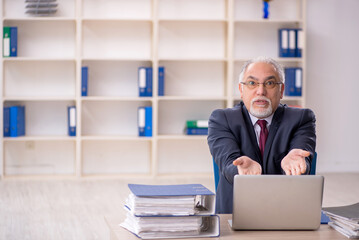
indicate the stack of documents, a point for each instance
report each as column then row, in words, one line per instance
column 171, row 211
column 41, row 7
column 344, row 219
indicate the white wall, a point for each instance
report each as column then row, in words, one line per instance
column 333, row 81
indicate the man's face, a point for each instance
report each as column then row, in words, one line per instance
column 261, row 101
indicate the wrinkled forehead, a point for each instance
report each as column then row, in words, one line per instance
column 261, row 70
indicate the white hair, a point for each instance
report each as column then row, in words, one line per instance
column 277, row 67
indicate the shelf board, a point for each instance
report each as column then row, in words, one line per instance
column 280, row 59
column 115, row 138
column 288, row 98
column 33, row 59
column 192, row 59
column 39, row 138
column 37, row 98
column 117, row 19
column 115, row 98
column 191, row 20
column 285, row 98
column 117, row 59
column 43, row 19
column 182, row 137
column 41, row 177
column 195, row 98
column 269, row 21
column 184, row 175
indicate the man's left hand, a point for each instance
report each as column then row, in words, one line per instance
column 294, row 162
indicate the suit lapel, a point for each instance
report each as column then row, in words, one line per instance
column 277, row 118
column 251, row 133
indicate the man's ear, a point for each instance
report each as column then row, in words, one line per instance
column 240, row 87
column 281, row 91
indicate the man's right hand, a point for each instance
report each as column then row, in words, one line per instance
column 247, row 166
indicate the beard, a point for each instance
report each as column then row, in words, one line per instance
column 261, row 112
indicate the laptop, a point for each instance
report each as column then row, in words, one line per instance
column 277, row 202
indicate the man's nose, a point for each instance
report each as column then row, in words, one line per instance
column 261, row 90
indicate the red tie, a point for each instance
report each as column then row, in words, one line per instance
column 263, row 135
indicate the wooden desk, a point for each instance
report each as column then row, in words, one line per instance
column 324, row 232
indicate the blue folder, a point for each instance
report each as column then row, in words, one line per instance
column 84, row 81
column 141, row 190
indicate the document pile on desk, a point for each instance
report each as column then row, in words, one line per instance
column 344, row 219
column 171, row 211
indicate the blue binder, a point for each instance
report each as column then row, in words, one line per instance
column 161, row 81
column 292, row 42
column 13, row 41
column 17, row 121
column 293, row 82
column 283, row 40
column 84, row 81
column 149, row 82
column 6, row 119
column 148, row 122
column 299, row 42
column 197, row 131
column 141, row 121
column 142, row 81
column 161, row 202
column 145, row 81
column 144, row 121
column 141, row 190
column 71, row 114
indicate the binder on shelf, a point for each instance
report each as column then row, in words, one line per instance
column 149, row 82
column 84, row 81
column 293, row 82
column 197, row 131
column 171, row 211
column 145, row 81
column 13, row 41
column 6, row 119
column 142, row 81
column 17, row 121
column 144, row 121
column 9, row 41
column 6, row 42
column 283, row 42
column 161, row 81
column 300, row 42
column 292, row 42
column 197, row 123
column 71, row 114
column 41, row 7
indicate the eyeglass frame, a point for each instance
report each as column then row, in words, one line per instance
column 258, row 83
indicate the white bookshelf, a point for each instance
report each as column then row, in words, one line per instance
column 201, row 43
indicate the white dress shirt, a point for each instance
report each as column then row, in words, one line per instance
column 257, row 128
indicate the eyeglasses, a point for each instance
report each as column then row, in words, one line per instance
column 268, row 84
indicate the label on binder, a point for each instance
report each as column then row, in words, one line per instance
column 298, row 78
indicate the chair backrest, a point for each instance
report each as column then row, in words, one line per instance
column 216, row 173
column 313, row 167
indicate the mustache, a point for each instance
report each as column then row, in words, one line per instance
column 260, row 99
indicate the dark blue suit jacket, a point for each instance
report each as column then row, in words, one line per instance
column 231, row 135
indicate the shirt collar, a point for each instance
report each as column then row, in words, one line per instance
column 255, row 119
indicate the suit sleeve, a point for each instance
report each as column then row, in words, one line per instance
column 305, row 137
column 223, row 144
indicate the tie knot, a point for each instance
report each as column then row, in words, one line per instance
column 262, row 123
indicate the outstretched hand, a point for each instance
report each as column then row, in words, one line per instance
column 247, row 166
column 294, row 162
